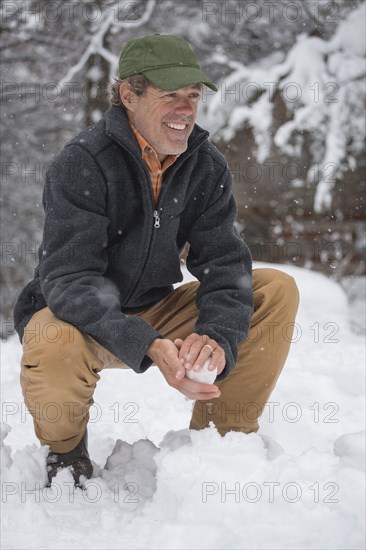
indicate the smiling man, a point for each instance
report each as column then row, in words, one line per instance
column 121, row 200
column 165, row 119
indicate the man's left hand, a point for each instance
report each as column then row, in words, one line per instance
column 196, row 349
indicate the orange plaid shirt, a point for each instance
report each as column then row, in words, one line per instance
column 156, row 169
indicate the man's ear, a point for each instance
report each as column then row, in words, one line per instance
column 128, row 96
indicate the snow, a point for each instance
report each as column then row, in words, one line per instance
column 323, row 88
column 204, row 376
column 297, row 483
column 355, row 288
column 113, row 20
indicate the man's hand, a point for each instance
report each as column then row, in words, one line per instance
column 196, row 349
column 165, row 355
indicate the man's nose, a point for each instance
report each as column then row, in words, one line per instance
column 184, row 107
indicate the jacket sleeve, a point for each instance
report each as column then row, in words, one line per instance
column 221, row 261
column 74, row 259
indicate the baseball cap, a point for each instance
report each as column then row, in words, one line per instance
column 166, row 60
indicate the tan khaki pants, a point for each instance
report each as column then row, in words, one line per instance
column 60, row 364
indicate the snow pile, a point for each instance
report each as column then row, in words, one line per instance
column 247, row 497
column 351, row 449
column 355, row 288
column 28, row 467
column 298, row 483
column 5, row 451
column 131, row 470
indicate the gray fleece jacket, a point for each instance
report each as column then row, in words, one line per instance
column 107, row 251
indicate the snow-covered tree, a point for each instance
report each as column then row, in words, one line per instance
column 322, row 84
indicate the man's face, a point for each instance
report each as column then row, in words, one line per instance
column 165, row 119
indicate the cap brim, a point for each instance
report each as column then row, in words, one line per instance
column 172, row 78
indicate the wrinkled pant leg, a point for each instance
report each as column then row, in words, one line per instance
column 60, row 365
column 261, row 357
column 59, row 372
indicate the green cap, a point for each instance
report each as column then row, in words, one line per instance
column 167, row 61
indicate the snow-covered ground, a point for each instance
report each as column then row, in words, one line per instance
column 298, row 483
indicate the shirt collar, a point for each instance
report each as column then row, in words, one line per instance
column 145, row 146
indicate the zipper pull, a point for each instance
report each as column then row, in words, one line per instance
column 157, row 219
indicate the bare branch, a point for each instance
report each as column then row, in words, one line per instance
column 96, row 45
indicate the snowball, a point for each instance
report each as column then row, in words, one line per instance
column 204, row 376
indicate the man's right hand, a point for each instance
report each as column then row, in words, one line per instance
column 165, row 355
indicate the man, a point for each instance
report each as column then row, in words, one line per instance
column 121, row 201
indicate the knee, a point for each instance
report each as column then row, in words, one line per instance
column 47, row 338
column 285, row 283
column 282, row 285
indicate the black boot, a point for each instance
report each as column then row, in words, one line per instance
column 78, row 460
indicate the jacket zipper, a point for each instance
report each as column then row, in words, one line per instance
column 157, row 219
column 156, row 226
